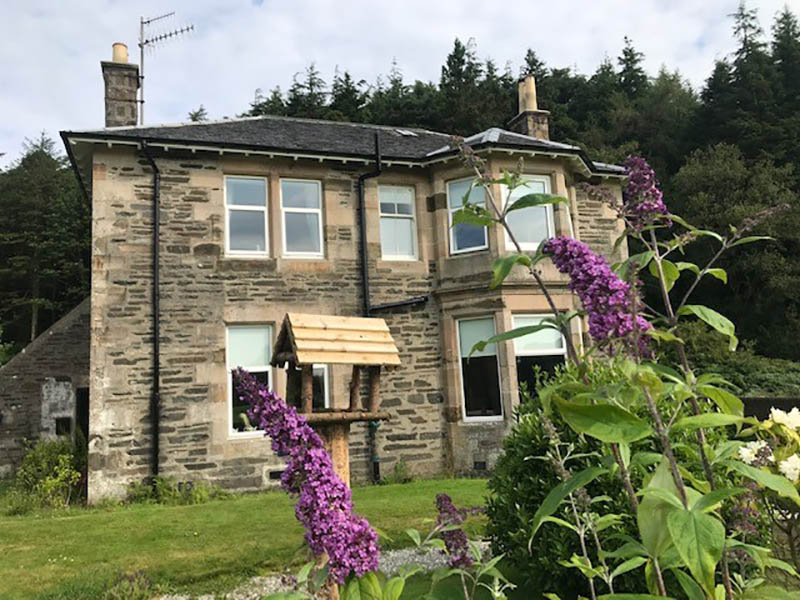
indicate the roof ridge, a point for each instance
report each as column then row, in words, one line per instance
column 267, row 117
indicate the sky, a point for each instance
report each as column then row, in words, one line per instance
column 50, row 51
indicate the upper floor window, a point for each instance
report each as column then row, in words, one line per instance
column 249, row 347
column 246, row 215
column 465, row 237
column 544, row 349
column 398, row 225
column 480, row 375
column 301, row 209
column 533, row 224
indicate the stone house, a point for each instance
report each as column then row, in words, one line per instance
column 208, row 233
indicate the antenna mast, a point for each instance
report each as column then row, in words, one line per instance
column 148, row 41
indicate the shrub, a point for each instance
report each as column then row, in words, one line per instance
column 135, row 586
column 169, row 491
column 399, row 474
column 519, row 484
column 48, row 477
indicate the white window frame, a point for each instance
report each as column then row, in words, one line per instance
column 412, row 217
column 465, row 418
column 317, row 211
column 450, row 211
column 229, row 207
column 549, row 213
column 232, row 432
column 552, row 352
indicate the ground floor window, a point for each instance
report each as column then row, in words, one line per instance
column 321, row 398
column 249, row 347
column 544, row 350
column 479, row 373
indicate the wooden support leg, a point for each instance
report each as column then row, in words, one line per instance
column 307, row 389
column 374, row 389
column 336, row 437
column 355, row 388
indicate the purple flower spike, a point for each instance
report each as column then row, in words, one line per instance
column 607, row 298
column 643, row 201
column 324, row 504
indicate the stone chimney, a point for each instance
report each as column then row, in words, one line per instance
column 122, row 83
column 530, row 120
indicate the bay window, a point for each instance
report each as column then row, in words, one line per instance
column 480, row 377
column 544, row 349
column 465, row 237
column 533, row 224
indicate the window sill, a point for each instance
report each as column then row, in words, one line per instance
column 482, row 420
column 241, row 436
column 474, row 252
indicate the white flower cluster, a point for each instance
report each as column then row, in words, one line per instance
column 791, row 467
column 790, row 419
column 749, row 452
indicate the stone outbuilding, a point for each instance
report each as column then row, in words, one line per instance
column 204, row 235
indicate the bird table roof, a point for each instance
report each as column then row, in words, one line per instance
column 325, row 339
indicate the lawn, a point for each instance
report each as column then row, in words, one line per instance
column 197, row 549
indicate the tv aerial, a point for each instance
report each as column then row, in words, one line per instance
column 148, row 41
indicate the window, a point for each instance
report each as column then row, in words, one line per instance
column 465, row 237
column 545, row 349
column 534, row 224
column 479, row 373
column 246, row 215
column 398, row 226
column 64, row 426
column 249, row 347
column 301, row 204
column 321, row 396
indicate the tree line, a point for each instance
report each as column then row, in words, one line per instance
column 723, row 153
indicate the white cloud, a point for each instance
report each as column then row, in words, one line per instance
column 50, row 74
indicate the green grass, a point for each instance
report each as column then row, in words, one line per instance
column 203, row 548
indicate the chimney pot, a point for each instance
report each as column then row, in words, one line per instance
column 527, row 94
column 531, row 120
column 119, row 52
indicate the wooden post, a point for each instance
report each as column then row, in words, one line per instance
column 307, row 388
column 336, row 437
column 374, row 389
column 355, row 388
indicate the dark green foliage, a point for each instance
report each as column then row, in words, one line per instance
column 44, row 242
column 199, row 114
column 519, row 484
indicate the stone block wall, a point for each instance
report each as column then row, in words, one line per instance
column 38, row 385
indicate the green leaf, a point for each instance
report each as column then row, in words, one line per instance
column 687, row 266
column 775, row 563
column 304, row 572
column 720, row 274
column 414, row 535
column 513, row 333
column 719, row 322
column 366, row 587
column 689, row 585
column 561, row 522
column 699, row 539
column 769, row 592
column 629, row 565
column 712, row 499
column 663, row 495
column 706, row 420
column 606, row 422
column 472, row 215
column 394, row 588
column 663, row 336
column 727, row 402
column 750, row 239
column 559, row 493
column 653, row 511
column 529, row 200
column 641, row 260
column 503, row 265
column 777, row 483
column 630, row 597
column 671, row 272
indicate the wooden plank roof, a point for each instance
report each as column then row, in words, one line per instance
column 307, row 339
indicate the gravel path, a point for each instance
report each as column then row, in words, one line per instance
column 390, row 562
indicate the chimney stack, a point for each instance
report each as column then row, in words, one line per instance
column 121, row 86
column 530, row 120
